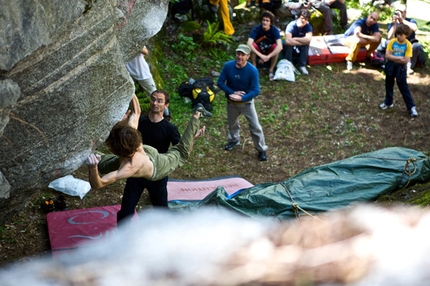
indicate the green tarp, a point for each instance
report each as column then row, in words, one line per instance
column 327, row 187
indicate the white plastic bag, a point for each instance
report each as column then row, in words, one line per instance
column 71, row 186
column 285, row 70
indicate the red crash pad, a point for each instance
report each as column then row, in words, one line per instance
column 71, row 229
column 329, row 49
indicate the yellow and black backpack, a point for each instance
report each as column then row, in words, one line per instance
column 200, row 90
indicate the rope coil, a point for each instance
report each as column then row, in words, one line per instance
column 296, row 206
column 409, row 169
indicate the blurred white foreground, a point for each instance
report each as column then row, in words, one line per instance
column 364, row 245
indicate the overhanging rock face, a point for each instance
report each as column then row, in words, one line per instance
column 63, row 84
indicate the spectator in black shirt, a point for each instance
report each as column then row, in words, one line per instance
column 158, row 133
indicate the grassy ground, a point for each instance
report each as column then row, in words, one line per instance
column 327, row 116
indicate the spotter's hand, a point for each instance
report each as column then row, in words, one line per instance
column 200, row 132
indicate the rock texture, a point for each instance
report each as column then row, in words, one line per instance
column 63, row 84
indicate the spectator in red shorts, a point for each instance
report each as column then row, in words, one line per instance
column 265, row 43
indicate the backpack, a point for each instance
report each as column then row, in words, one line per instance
column 285, row 70
column 377, row 59
column 421, row 60
column 182, row 7
column 185, row 89
column 200, row 90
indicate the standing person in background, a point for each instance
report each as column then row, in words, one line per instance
column 298, row 36
column 158, row 133
column 362, row 33
column 398, row 54
column 265, row 43
column 240, row 82
column 399, row 18
column 222, row 5
column 139, row 70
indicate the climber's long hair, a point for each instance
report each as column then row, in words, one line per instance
column 124, row 140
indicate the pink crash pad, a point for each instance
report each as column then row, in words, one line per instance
column 199, row 189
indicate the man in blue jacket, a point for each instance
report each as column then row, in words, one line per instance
column 240, row 81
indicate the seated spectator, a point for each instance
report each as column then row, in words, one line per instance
column 325, row 6
column 265, row 43
column 362, row 33
column 290, row 9
column 325, row 10
column 340, row 5
column 298, row 36
column 399, row 17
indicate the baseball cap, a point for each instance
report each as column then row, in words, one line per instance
column 401, row 8
column 244, row 49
